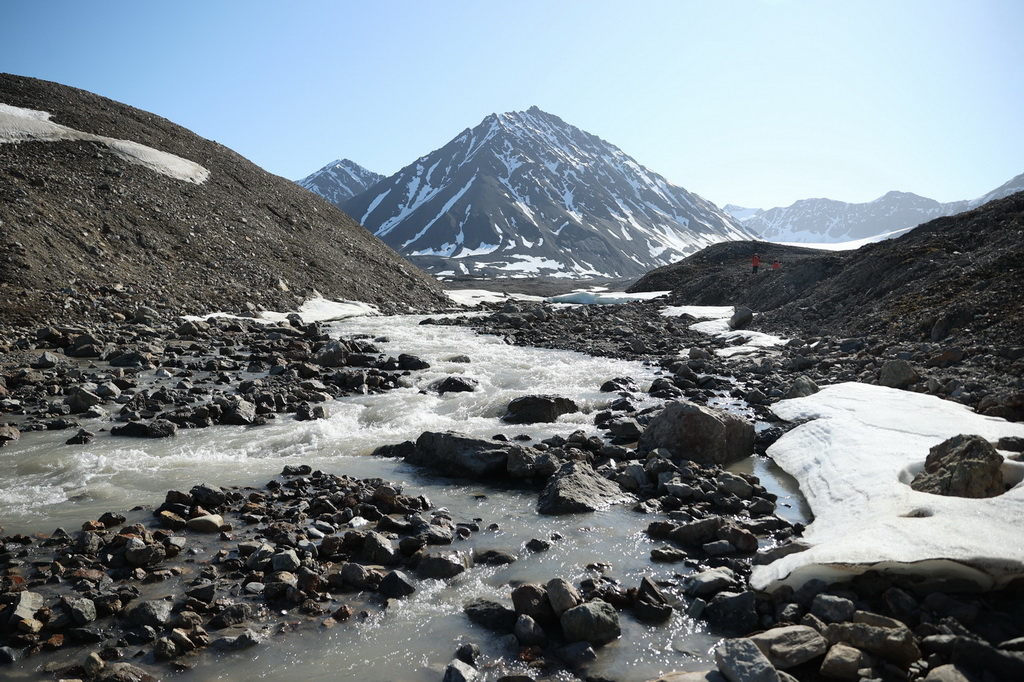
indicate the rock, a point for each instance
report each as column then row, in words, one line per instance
column 455, row 384
column 562, row 595
column 82, row 609
column 333, row 354
column 210, row 523
column 741, row 318
column 791, row 645
column 460, row 671
column 138, row 553
column 80, row 400
column 456, row 454
column 893, row 644
column 576, row 487
column 412, row 363
column 396, row 584
column 732, row 614
column 238, row 412
column 651, row 606
column 842, row 662
column 710, row 581
column 898, row 374
column 532, row 600
column 491, row 615
column 595, row 622
column 700, row 434
column 802, row 387
column 533, row 409
column 8, row 434
column 25, row 606
column 528, row 632
column 946, row 673
column 158, row 428
column 740, row 660
column 247, row 639
column 832, row 609
column 46, row 360
column 155, row 613
column 207, row 496
column 287, row 560
column 962, row 466
column 444, row 564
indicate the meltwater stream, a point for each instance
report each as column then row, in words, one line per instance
column 44, row 484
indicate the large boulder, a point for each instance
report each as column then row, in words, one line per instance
column 962, row 466
column 700, row 434
column 456, row 454
column 791, row 645
column 576, row 487
column 532, row 409
column 595, row 622
column 897, row 374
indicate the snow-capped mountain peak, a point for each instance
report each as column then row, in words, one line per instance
column 340, row 180
column 526, row 193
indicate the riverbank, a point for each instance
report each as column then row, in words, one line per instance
column 683, row 512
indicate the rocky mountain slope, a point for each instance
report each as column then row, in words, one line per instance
column 527, row 193
column 955, row 278
column 340, row 180
column 94, row 223
column 829, row 221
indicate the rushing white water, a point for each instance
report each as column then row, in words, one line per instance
column 45, row 484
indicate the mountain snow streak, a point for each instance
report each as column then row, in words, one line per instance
column 340, row 180
column 524, row 193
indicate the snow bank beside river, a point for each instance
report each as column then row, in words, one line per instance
column 854, row 462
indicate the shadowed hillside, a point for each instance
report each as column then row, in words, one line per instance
column 959, row 276
column 85, row 233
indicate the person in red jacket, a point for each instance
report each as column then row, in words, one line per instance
column 756, row 260
column 776, row 265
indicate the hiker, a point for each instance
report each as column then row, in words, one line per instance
column 756, row 260
column 776, row 265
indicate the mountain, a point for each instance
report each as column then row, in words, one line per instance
column 340, row 180
column 827, row 221
column 954, row 279
column 104, row 207
column 526, row 193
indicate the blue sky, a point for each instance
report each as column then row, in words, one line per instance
column 753, row 102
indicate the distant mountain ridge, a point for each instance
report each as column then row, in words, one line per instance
column 809, row 221
column 524, row 193
column 340, row 180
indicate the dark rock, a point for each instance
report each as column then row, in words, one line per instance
column 491, row 615
column 595, row 622
column 962, row 466
column 456, row 454
column 455, row 385
column 576, row 487
column 533, row 409
column 700, row 434
column 396, row 584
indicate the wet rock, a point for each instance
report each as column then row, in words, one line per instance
column 576, row 487
column 710, row 582
column 455, row 384
column 562, row 595
column 651, row 605
column 529, row 632
column 832, row 609
column 245, row 640
column 802, row 387
column 595, row 622
column 700, row 434
column 456, row 454
column 460, row 671
column 444, row 564
column 158, row 428
column 396, row 584
column 8, row 434
column 209, row 523
column 154, row 613
column 532, row 600
column 491, row 615
column 962, row 466
column 80, row 400
column 534, row 409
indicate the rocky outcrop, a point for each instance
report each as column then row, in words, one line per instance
column 576, row 487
